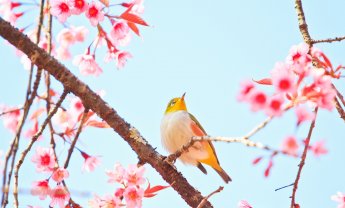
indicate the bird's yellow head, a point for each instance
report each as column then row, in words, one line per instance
column 176, row 104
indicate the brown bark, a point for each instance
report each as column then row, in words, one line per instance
column 94, row 102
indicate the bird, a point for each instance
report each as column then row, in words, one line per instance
column 178, row 126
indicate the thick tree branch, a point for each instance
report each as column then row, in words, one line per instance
column 94, row 102
column 303, row 27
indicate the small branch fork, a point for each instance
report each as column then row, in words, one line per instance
column 28, row 148
column 202, row 203
column 245, row 140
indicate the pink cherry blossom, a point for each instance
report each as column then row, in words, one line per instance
column 120, row 33
column 340, row 198
column 63, row 118
column 138, row 7
column 87, row 65
column 80, row 33
column 11, row 119
column 62, row 53
column 76, row 106
column 246, row 87
column 134, row 175
column 44, row 159
column 318, row 148
column 290, row 145
column 94, row 13
column 59, row 196
column 68, row 36
column 299, row 54
column 119, row 192
column 133, row 196
column 107, row 201
column 283, row 78
column 61, row 9
column 12, row 17
column 275, row 105
column 79, row 6
column 117, row 174
column 41, row 189
column 121, row 58
column 244, row 204
column 90, row 163
column 32, row 131
column 60, row 174
column 95, row 202
column 65, row 37
column 258, row 100
column 303, row 115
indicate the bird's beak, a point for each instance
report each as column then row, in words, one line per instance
column 182, row 98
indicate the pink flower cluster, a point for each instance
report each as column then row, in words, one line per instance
column 63, row 9
column 67, row 37
column 45, row 162
column 131, row 180
column 296, row 81
column 59, row 195
column 7, row 10
column 11, row 117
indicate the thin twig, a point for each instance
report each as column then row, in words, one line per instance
column 339, row 109
column 243, row 140
column 329, row 40
column 70, row 151
column 11, row 111
column 13, row 147
column 340, row 96
column 301, row 164
column 33, row 140
column 202, row 203
column 258, row 128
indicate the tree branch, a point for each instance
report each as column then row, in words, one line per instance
column 329, row 40
column 301, row 164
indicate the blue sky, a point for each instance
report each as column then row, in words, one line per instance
column 204, row 49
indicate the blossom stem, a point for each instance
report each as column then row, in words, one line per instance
column 303, row 157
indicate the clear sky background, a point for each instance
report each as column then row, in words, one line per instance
column 203, row 48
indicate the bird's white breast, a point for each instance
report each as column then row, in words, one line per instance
column 176, row 131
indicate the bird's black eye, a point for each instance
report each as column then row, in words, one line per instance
column 172, row 103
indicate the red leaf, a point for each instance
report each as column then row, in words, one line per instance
column 267, row 171
column 69, row 132
column 133, row 18
column 151, row 192
column 105, row 2
column 89, row 114
column 37, row 113
column 265, row 81
column 97, row 124
column 256, row 160
column 133, row 27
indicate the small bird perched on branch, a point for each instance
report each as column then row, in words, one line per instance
column 177, row 129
